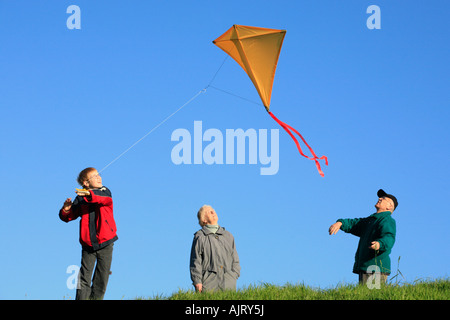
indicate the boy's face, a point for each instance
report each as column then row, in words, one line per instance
column 94, row 181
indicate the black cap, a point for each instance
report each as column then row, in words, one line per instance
column 381, row 193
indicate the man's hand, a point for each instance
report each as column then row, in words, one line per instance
column 198, row 287
column 67, row 205
column 375, row 245
column 334, row 228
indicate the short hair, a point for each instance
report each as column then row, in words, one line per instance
column 201, row 214
column 82, row 176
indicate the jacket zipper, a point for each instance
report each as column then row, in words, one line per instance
column 109, row 225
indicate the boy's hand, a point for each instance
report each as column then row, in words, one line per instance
column 82, row 192
column 67, row 204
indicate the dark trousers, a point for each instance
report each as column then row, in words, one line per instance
column 103, row 257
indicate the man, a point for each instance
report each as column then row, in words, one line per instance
column 376, row 238
column 214, row 263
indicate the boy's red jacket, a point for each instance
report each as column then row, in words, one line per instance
column 97, row 225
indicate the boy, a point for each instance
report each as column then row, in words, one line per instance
column 214, row 261
column 97, row 232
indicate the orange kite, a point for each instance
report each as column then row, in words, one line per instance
column 257, row 50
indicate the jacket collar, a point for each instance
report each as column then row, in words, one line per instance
column 206, row 231
column 381, row 214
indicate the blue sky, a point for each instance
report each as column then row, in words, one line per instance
column 375, row 102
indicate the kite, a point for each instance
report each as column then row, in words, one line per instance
column 257, row 51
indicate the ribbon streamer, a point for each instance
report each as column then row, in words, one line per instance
column 314, row 157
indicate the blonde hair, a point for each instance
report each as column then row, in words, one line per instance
column 201, row 214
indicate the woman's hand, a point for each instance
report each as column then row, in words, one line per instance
column 198, row 287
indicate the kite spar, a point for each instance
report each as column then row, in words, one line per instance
column 257, row 50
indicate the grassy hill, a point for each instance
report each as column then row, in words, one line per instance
column 422, row 290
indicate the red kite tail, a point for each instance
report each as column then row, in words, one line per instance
column 288, row 129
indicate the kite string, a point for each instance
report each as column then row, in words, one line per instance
column 154, row 128
column 215, row 74
column 168, row 117
column 224, row 91
column 235, row 95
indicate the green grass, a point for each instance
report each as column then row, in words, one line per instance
column 420, row 290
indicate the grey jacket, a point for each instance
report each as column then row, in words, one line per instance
column 214, row 260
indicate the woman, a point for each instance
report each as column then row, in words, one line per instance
column 214, row 260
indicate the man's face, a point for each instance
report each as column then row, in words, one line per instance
column 210, row 216
column 384, row 204
column 94, row 181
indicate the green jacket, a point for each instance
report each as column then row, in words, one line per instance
column 379, row 227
